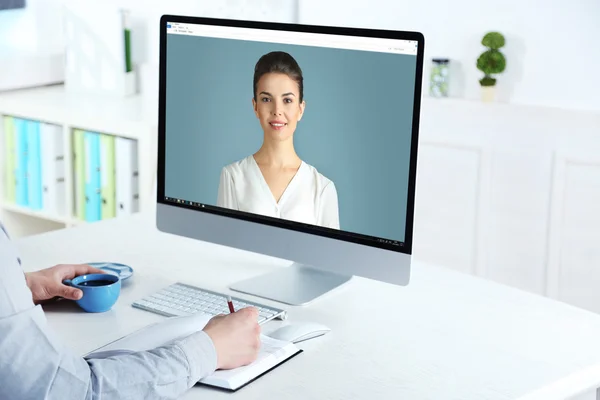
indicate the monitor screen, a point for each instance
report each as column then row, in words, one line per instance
column 303, row 130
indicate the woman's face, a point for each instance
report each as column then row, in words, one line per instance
column 277, row 105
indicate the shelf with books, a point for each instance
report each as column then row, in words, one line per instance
column 49, row 120
column 105, row 175
column 33, row 167
column 15, row 208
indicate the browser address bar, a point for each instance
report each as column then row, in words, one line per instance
column 299, row 38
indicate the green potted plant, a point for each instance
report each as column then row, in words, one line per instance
column 490, row 62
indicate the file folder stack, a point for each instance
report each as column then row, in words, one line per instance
column 105, row 175
column 34, row 168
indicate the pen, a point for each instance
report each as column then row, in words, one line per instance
column 230, row 304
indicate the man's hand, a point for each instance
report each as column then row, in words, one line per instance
column 46, row 284
column 236, row 337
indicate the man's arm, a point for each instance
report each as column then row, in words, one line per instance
column 35, row 364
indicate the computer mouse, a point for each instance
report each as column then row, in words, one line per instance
column 299, row 331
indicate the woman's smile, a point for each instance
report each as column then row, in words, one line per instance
column 277, row 125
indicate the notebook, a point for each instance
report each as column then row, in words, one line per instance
column 272, row 353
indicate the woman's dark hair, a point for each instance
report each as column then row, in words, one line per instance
column 278, row 62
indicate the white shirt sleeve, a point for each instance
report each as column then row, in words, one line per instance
column 328, row 211
column 35, row 364
column 226, row 196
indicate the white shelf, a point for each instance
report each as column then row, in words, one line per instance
column 126, row 116
column 59, row 219
column 129, row 117
column 37, row 213
column 503, row 108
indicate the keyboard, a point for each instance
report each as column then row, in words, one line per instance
column 180, row 299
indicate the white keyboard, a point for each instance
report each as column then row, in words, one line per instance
column 180, row 299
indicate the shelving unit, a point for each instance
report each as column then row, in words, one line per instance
column 130, row 117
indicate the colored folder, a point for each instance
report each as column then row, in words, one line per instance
column 107, row 174
column 53, row 169
column 79, row 166
column 9, row 160
column 21, row 197
column 126, row 164
column 34, row 166
column 93, row 210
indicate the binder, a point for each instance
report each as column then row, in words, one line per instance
column 21, row 197
column 34, row 166
column 92, row 176
column 9, row 160
column 126, row 165
column 53, row 169
column 79, row 173
column 127, row 39
column 107, row 176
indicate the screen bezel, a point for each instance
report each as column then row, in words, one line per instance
column 382, row 243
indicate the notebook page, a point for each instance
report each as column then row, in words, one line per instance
column 272, row 346
column 271, row 351
column 154, row 335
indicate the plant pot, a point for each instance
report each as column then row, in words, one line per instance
column 488, row 93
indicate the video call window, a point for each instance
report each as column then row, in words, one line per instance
column 315, row 134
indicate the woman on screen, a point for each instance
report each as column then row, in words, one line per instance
column 274, row 181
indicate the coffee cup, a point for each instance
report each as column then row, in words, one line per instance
column 100, row 291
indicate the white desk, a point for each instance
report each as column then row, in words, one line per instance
column 445, row 336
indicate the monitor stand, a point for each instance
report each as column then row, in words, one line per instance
column 295, row 285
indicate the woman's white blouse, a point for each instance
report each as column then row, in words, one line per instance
column 309, row 197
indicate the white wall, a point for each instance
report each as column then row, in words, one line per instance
column 34, row 29
column 145, row 15
column 39, row 24
column 38, row 27
column 552, row 45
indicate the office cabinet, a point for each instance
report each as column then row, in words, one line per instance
column 512, row 194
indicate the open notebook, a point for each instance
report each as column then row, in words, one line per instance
column 272, row 353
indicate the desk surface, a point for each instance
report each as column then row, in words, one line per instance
column 445, row 335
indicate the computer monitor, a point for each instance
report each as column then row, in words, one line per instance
column 294, row 141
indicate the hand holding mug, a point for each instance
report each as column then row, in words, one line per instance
column 47, row 284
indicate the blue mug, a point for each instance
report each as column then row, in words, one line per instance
column 100, row 291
